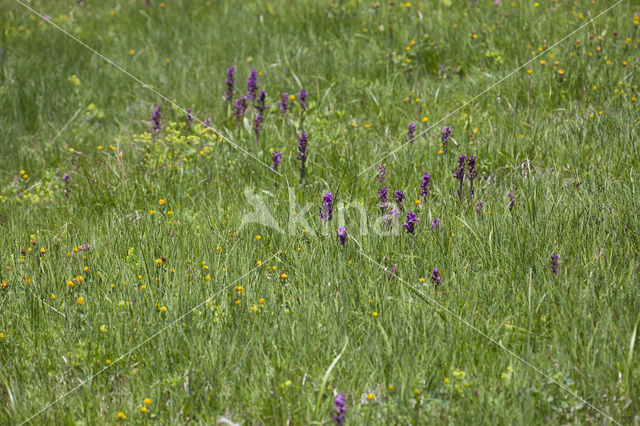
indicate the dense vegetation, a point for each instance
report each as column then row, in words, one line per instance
column 158, row 267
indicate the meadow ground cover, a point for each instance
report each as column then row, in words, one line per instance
column 319, row 227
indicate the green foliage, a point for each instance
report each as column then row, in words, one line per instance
column 178, row 302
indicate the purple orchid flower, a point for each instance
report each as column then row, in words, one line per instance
column 410, row 224
column 424, row 185
column 230, row 81
column 342, row 234
column 252, row 85
column 326, row 209
column 303, row 99
column 412, row 130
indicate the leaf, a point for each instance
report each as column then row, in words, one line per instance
column 632, row 344
column 328, row 373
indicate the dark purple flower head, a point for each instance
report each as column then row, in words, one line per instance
column 471, row 167
column 459, row 172
column 446, row 133
column 252, row 85
column 400, row 199
column 257, row 123
column 435, row 276
column 261, row 104
column 302, row 147
column 339, row 410
column 284, row 103
column 303, row 99
column 435, row 224
column 412, row 130
column 512, row 201
column 240, row 107
column 155, row 120
column 230, row 81
column 189, row 117
column 410, row 224
column 342, row 234
column 383, row 195
column 65, row 177
column 207, row 123
column 554, row 263
column 479, row 207
column 326, row 209
column 382, row 171
column 471, row 173
column 424, row 185
column 302, row 154
column 277, row 156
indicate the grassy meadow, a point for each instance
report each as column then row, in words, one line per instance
column 160, row 271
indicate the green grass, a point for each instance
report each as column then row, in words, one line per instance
column 565, row 146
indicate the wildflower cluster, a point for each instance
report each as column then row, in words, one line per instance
column 459, row 173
